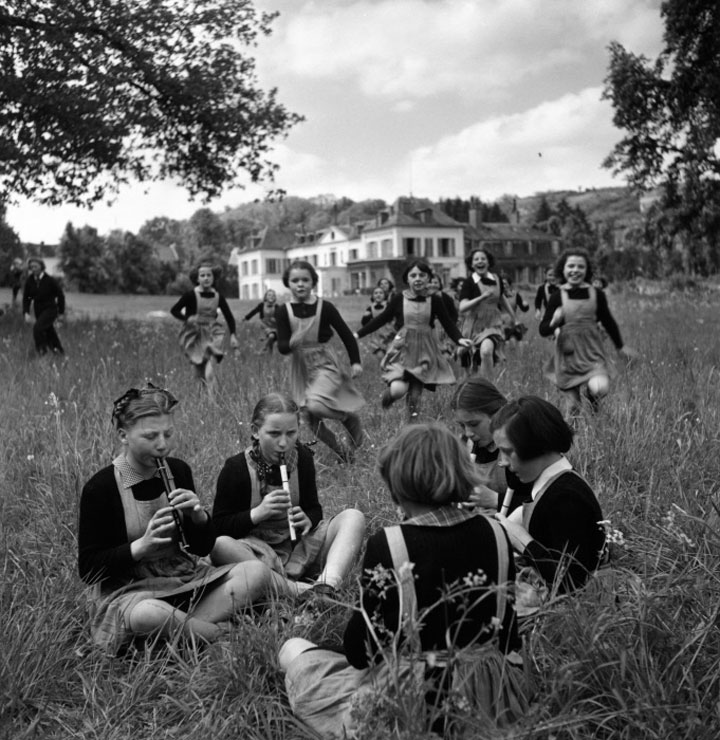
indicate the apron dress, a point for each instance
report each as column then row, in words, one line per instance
column 202, row 334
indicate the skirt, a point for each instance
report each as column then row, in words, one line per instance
column 108, row 628
column 416, row 352
column 201, row 342
column 316, row 376
column 335, row 699
column 579, row 355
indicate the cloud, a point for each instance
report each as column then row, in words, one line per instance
column 419, row 48
column 556, row 145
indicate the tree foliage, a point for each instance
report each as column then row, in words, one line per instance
column 669, row 109
column 10, row 247
column 97, row 92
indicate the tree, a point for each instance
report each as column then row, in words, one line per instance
column 10, row 247
column 669, row 109
column 138, row 269
column 85, row 260
column 96, row 93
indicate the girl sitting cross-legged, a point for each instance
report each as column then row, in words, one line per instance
column 253, row 512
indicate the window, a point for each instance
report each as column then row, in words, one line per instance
column 411, row 247
column 446, row 247
column 244, row 268
column 245, row 292
column 333, row 259
column 508, row 249
column 254, row 269
column 256, row 291
column 371, row 250
column 386, row 248
column 531, row 248
column 352, row 254
column 314, row 260
column 429, row 248
column 272, row 266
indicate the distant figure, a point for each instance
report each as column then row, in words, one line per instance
column 381, row 341
column 266, row 311
column 544, row 291
column 16, row 276
column 48, row 300
column 202, row 334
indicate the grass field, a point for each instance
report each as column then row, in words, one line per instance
column 646, row 667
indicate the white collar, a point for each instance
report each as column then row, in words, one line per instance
column 552, row 470
column 477, row 277
column 130, row 477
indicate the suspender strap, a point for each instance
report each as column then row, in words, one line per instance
column 399, row 555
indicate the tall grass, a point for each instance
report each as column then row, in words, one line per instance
column 644, row 666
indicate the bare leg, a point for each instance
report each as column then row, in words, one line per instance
column 351, row 422
column 344, row 540
column 487, row 359
column 413, row 398
column 154, row 616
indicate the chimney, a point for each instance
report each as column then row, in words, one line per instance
column 474, row 214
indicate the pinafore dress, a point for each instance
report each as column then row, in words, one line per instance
column 415, row 350
column 202, row 334
column 579, row 350
column 315, row 372
column 172, row 573
column 484, row 321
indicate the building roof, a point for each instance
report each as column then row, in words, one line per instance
column 266, row 237
column 410, row 211
column 501, row 231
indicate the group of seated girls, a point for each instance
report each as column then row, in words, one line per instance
column 143, row 539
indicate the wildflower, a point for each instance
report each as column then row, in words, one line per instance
column 473, row 580
column 612, row 536
column 30, row 458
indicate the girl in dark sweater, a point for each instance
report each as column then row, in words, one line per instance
column 266, row 312
column 433, row 588
column 253, row 513
column 202, row 334
column 558, row 531
column 415, row 360
column 572, row 316
column 320, row 386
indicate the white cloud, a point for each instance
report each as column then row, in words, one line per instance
column 417, row 48
column 556, row 145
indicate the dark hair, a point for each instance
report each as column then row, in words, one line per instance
column 436, row 276
column 40, row 262
column 477, row 394
column 299, row 265
column 563, row 258
column 421, row 265
column 534, row 427
column 489, row 255
column 138, row 403
column 273, row 403
column 426, row 463
column 269, row 290
column 214, row 267
column 391, row 285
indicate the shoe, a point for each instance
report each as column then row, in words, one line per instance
column 387, row 399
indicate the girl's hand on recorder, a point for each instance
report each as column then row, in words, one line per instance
column 301, row 521
column 274, row 505
column 158, row 534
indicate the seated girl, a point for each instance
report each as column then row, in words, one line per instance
column 558, row 532
column 474, row 403
column 253, row 512
column 141, row 545
column 450, row 567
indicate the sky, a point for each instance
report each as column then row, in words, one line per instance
column 435, row 98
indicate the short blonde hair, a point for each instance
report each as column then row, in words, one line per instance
column 427, row 464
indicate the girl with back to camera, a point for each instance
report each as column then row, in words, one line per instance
column 320, row 386
column 254, row 515
column 141, row 546
column 481, row 302
column 202, row 334
column 444, row 611
column 558, row 532
column 572, row 316
column 415, row 360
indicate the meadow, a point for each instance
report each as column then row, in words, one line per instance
column 644, row 665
